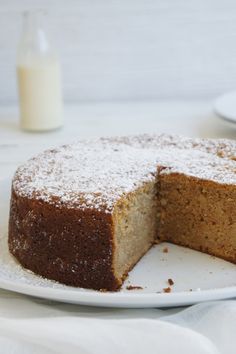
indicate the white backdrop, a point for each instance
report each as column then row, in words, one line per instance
column 131, row 49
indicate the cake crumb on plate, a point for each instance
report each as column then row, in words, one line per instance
column 134, row 287
column 170, row 281
column 167, row 290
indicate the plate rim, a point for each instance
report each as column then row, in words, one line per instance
column 118, row 299
column 226, row 118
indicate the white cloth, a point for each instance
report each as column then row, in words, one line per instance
column 29, row 325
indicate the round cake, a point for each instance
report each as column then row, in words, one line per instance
column 84, row 214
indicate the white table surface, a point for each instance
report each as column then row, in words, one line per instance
column 191, row 118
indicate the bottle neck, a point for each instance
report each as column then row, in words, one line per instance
column 31, row 21
column 34, row 42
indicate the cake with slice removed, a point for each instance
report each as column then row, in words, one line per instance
column 84, row 214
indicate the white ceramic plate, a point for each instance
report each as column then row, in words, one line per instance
column 225, row 108
column 197, row 277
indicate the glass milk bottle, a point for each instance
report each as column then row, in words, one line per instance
column 39, row 78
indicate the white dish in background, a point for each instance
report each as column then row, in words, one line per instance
column 225, row 108
column 197, row 277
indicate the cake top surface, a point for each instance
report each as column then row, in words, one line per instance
column 96, row 173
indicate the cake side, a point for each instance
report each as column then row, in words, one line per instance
column 71, row 246
column 85, row 248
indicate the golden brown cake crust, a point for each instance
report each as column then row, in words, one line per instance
column 67, row 245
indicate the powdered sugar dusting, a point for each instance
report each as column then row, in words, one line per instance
column 96, row 173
